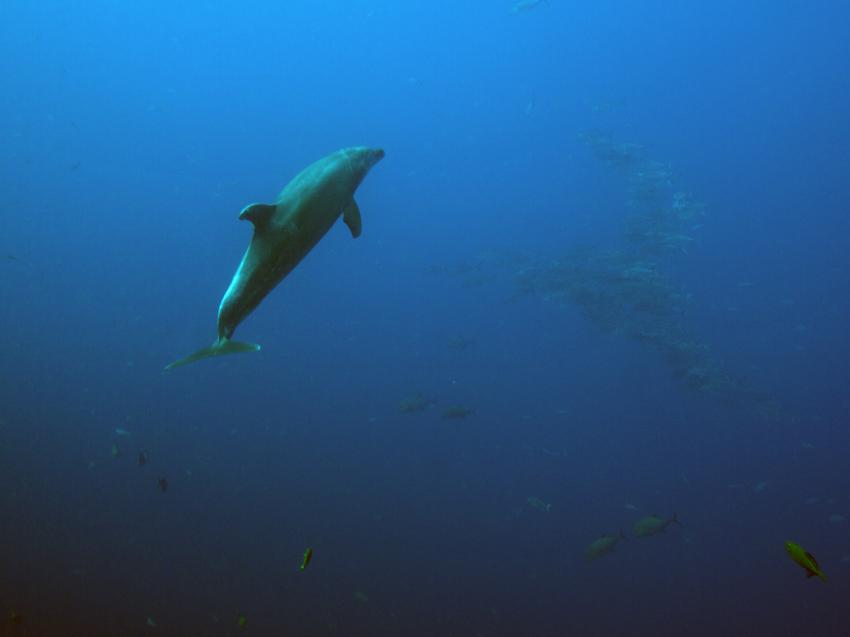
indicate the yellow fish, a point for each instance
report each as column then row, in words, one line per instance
column 308, row 555
column 804, row 559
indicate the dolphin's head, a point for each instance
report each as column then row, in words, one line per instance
column 365, row 157
column 373, row 155
column 360, row 161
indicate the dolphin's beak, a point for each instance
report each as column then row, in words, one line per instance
column 377, row 155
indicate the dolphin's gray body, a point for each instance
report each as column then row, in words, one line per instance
column 284, row 232
column 526, row 5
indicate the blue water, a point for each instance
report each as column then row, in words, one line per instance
column 133, row 134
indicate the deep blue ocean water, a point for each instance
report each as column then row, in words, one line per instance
column 698, row 366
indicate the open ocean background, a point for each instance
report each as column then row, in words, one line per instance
column 132, row 134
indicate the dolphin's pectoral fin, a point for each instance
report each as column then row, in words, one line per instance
column 258, row 213
column 351, row 217
column 220, row 347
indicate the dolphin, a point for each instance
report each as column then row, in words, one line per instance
column 526, row 5
column 284, row 232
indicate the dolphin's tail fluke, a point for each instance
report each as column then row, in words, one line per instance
column 219, row 348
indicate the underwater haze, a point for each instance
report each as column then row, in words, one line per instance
column 584, row 372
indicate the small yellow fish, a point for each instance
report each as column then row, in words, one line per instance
column 457, row 412
column 603, row 546
column 653, row 525
column 308, row 555
column 537, row 503
column 804, row 559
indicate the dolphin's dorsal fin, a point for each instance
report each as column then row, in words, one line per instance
column 258, row 213
column 351, row 216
